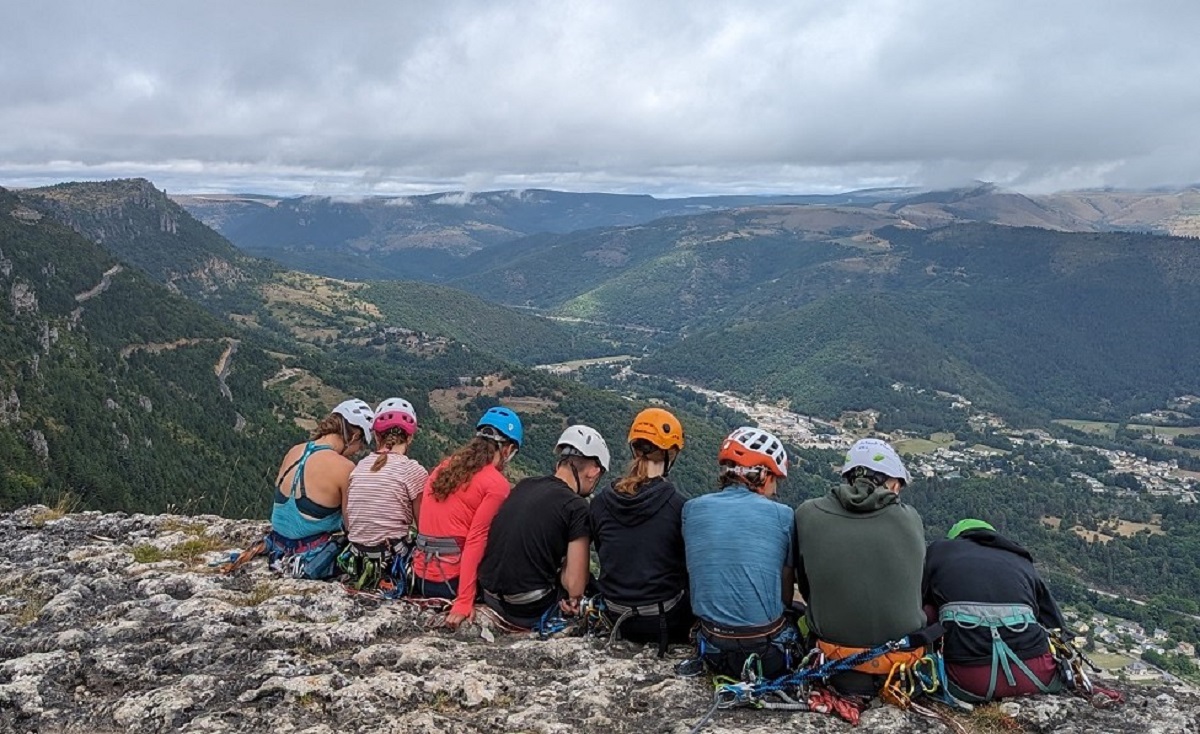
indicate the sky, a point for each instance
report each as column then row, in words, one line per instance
column 665, row 97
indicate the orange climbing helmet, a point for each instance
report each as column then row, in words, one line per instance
column 659, row 427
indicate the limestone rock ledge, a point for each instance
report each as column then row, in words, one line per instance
column 116, row 623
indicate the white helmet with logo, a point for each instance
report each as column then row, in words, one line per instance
column 580, row 440
column 399, row 404
column 358, row 414
column 876, row 455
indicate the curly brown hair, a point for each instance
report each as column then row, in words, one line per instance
column 335, row 425
column 462, row 465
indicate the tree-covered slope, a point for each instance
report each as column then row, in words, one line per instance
column 111, row 386
column 141, row 226
column 1022, row 319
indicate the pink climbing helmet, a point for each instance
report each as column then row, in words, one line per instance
column 390, row 419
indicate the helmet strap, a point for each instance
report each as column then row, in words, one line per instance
column 672, row 455
column 575, row 473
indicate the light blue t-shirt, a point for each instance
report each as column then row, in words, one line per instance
column 737, row 543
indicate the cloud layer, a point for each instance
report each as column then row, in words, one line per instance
column 663, row 97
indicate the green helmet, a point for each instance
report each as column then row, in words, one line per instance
column 969, row 523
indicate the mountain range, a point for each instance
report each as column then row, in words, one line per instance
column 427, row 237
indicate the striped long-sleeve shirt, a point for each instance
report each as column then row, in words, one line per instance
column 379, row 506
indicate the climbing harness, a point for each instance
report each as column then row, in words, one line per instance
column 995, row 617
column 432, row 550
column 384, row 567
column 658, row 609
column 314, row 557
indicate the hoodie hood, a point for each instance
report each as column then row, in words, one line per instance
column 992, row 539
column 638, row 508
column 863, row 496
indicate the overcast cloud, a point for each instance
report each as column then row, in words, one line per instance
column 651, row 96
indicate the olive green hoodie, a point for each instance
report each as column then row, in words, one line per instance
column 860, row 555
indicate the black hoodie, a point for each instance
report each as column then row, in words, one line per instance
column 983, row 566
column 639, row 540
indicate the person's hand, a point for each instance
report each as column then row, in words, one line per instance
column 454, row 619
column 569, row 607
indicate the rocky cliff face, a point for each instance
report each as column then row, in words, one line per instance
column 117, row 623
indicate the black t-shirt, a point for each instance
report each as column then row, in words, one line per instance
column 528, row 540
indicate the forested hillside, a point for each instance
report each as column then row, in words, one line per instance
column 119, row 394
column 110, row 383
column 1027, row 321
column 141, row 226
column 1031, row 322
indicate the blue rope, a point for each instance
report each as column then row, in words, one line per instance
column 548, row 625
column 821, row 672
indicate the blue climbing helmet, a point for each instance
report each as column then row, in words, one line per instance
column 501, row 420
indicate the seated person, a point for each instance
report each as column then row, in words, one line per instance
column 537, row 552
column 317, row 474
column 384, row 501
column 461, row 498
column 637, row 529
column 860, row 553
column 996, row 610
column 738, row 545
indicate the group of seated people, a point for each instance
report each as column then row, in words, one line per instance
column 747, row 578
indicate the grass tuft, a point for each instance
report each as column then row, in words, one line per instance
column 147, row 554
column 262, row 591
column 192, row 549
column 67, row 503
column 177, row 525
column 33, row 601
column 991, row 719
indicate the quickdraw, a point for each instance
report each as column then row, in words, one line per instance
column 1074, row 666
column 804, row 690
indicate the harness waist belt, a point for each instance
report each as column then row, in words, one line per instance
column 743, row 633
column 969, row 615
column 437, row 546
column 881, row 665
column 645, row 610
column 525, row 597
column 378, row 551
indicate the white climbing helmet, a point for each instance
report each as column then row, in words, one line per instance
column 399, row 404
column 580, row 440
column 749, row 447
column 359, row 414
column 877, row 455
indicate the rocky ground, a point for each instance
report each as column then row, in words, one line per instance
column 117, row 623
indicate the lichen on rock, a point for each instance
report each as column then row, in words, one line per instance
column 115, row 622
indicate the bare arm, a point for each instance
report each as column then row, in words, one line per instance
column 575, row 572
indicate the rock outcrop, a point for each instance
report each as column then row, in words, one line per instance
column 117, row 623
